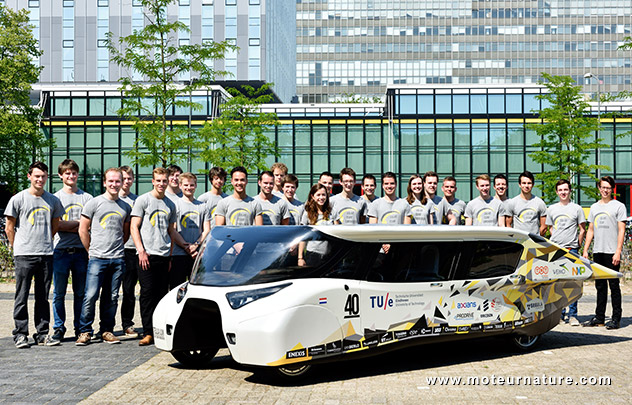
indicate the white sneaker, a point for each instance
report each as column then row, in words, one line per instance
column 573, row 321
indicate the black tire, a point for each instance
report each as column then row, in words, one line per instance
column 524, row 342
column 294, row 371
column 195, row 358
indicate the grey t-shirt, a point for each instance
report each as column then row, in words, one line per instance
column 157, row 214
column 564, row 221
column 456, row 207
column 296, row 208
column 605, row 219
column 191, row 218
column 484, row 212
column 238, row 212
column 273, row 210
column 348, row 210
column 320, row 221
column 211, row 201
column 439, row 210
column 33, row 215
column 106, row 228
column 526, row 214
column 130, row 199
column 73, row 205
column 387, row 212
column 421, row 214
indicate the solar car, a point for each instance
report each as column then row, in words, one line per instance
column 362, row 290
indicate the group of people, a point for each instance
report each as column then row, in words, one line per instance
column 120, row 239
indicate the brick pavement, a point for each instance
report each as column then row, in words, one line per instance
column 143, row 375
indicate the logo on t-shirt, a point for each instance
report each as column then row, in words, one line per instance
column 240, row 217
column 187, row 221
column 391, row 217
column 601, row 220
column 485, row 215
column 73, row 211
column 105, row 219
column 561, row 222
column 38, row 216
column 527, row 215
column 158, row 216
column 349, row 215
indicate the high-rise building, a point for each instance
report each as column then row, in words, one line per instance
column 72, row 34
column 360, row 46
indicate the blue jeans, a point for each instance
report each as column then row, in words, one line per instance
column 106, row 273
column 66, row 261
column 572, row 308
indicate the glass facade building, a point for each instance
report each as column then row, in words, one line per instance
column 459, row 130
column 72, row 34
column 361, row 46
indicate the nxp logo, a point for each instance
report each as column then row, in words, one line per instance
column 578, row 271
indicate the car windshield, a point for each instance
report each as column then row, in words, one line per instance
column 251, row 255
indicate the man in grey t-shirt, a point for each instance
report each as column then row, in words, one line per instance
column 238, row 209
column 104, row 229
column 350, row 209
column 173, row 191
column 32, row 220
column 69, row 256
column 526, row 211
column 484, row 210
column 130, row 277
column 296, row 207
column 274, row 210
column 431, row 180
column 451, row 204
column 389, row 209
column 193, row 224
column 153, row 228
column 607, row 227
column 564, row 219
column 217, row 177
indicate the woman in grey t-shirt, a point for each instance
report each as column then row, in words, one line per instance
column 317, row 212
column 421, row 206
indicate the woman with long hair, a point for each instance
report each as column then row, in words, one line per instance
column 317, row 212
column 420, row 205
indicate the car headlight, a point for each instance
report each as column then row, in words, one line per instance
column 182, row 291
column 238, row 299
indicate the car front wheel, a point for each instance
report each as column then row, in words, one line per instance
column 195, row 358
column 524, row 342
column 294, row 371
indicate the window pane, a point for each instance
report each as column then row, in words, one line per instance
column 494, row 259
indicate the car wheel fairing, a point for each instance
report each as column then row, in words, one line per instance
column 195, row 358
column 294, row 371
column 525, row 342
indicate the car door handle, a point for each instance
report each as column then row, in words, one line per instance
column 436, row 284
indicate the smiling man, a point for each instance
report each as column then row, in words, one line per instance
column 153, row 228
column 526, row 211
column 348, row 208
column 104, row 229
column 32, row 221
column 484, row 210
column 238, row 209
column 564, row 219
column 451, row 204
column 441, row 211
column 274, row 209
column 389, row 209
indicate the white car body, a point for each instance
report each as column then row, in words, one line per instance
column 322, row 319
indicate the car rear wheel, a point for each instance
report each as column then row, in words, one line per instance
column 525, row 342
column 195, row 358
column 294, row 371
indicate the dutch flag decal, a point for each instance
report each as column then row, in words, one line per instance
column 322, row 300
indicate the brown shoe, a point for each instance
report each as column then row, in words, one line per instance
column 108, row 337
column 146, row 341
column 131, row 333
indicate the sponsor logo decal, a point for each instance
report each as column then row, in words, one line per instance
column 381, row 301
column 558, row 271
column 334, row 347
column 536, row 305
column 508, row 325
column 488, row 327
column 464, row 328
column 370, row 341
column 578, row 271
column 518, row 323
column 500, row 325
column 465, row 305
column 293, row 354
column 477, row 327
column 449, row 329
column 437, row 329
column 317, row 350
column 159, row 333
column 350, row 345
column 464, row 316
column 322, row 300
column 541, row 270
column 401, row 334
column 496, row 304
column 485, row 316
column 387, row 337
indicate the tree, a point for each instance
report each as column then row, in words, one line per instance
column 21, row 141
column 153, row 53
column 567, row 137
column 237, row 137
